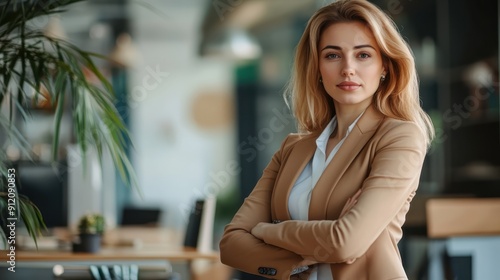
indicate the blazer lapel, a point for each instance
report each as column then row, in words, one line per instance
column 300, row 155
column 355, row 141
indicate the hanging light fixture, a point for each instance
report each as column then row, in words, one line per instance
column 242, row 46
column 234, row 44
column 125, row 53
column 54, row 28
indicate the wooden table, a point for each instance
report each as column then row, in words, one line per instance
column 114, row 254
column 123, row 245
column 464, row 227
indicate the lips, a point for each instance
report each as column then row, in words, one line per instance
column 348, row 86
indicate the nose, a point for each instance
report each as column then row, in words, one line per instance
column 347, row 72
column 348, row 69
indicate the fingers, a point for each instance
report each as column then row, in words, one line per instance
column 351, row 201
column 356, row 195
column 348, row 205
column 257, row 231
column 346, row 208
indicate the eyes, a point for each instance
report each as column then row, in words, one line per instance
column 335, row 56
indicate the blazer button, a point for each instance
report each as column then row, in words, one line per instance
column 272, row 272
column 267, row 271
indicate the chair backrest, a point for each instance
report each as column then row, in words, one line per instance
column 141, row 216
column 200, row 226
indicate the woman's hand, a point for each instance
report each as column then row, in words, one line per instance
column 351, row 201
column 258, row 230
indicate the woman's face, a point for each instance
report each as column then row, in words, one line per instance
column 350, row 64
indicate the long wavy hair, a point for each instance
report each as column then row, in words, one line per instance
column 397, row 97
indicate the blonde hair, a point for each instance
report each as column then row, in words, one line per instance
column 397, row 97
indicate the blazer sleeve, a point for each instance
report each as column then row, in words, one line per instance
column 392, row 182
column 240, row 249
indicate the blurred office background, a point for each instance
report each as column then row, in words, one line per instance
column 200, row 87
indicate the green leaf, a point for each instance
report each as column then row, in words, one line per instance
column 57, row 123
column 30, row 60
column 32, row 218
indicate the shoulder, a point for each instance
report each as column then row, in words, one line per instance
column 385, row 127
column 389, row 124
column 393, row 126
column 293, row 139
column 404, row 133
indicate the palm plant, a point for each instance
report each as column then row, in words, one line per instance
column 34, row 66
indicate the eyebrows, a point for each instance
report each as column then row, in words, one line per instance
column 355, row 47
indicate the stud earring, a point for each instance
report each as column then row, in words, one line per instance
column 382, row 78
column 320, row 80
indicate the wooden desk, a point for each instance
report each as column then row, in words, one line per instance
column 127, row 243
column 451, row 217
column 464, row 227
column 114, row 254
column 142, row 244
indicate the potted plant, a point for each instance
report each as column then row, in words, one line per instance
column 36, row 67
column 90, row 231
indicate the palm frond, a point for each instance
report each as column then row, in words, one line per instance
column 31, row 217
column 24, row 211
column 16, row 13
column 70, row 61
column 31, row 61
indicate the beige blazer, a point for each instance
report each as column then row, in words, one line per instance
column 381, row 156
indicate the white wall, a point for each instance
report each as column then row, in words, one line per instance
column 173, row 156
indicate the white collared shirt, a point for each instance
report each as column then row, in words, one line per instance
column 300, row 195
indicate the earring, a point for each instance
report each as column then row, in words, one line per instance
column 320, row 80
column 382, row 78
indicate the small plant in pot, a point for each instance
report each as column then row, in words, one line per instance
column 90, row 230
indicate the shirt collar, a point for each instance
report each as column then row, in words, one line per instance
column 325, row 135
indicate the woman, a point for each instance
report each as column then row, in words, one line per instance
column 333, row 199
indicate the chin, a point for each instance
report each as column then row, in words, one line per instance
column 349, row 101
column 352, row 100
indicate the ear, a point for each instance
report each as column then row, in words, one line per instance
column 385, row 62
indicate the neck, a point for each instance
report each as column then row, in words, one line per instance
column 346, row 114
